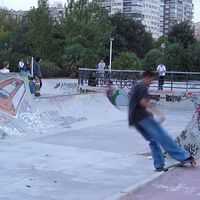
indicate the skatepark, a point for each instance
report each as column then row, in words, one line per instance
column 67, row 145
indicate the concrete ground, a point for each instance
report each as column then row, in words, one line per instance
column 179, row 183
column 97, row 163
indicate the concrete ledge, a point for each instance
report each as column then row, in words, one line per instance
column 126, row 194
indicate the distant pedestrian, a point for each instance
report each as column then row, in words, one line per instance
column 92, row 81
column 37, row 74
column 161, row 69
column 101, row 68
column 141, row 116
column 5, row 68
column 21, row 66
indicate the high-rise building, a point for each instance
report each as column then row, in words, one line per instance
column 176, row 11
column 197, row 30
column 157, row 15
column 152, row 16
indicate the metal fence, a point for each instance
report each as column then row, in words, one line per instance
column 126, row 78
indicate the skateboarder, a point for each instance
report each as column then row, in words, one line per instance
column 37, row 75
column 141, row 116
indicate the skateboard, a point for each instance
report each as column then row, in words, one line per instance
column 180, row 164
column 37, row 87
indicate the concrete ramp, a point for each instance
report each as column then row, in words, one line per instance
column 22, row 113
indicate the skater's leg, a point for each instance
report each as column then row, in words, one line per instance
column 155, row 148
column 158, row 134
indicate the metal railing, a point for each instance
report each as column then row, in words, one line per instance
column 126, row 78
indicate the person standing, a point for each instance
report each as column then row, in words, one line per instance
column 141, row 117
column 101, row 68
column 37, row 74
column 161, row 69
column 21, row 66
column 5, row 68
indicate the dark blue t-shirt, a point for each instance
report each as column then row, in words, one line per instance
column 137, row 112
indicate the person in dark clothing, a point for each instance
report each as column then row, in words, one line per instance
column 141, row 117
column 92, row 81
column 37, row 74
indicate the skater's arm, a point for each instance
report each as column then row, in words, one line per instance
column 151, row 108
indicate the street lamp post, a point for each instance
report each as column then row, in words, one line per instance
column 163, row 47
column 110, row 63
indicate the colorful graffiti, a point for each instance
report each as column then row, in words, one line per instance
column 12, row 91
column 190, row 136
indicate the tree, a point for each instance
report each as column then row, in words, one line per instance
column 177, row 58
column 126, row 60
column 182, row 33
column 86, row 29
column 161, row 40
column 152, row 59
column 194, row 51
column 130, row 35
column 39, row 30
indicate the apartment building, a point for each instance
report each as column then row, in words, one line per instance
column 152, row 16
column 157, row 15
column 57, row 10
column 197, row 30
column 176, row 11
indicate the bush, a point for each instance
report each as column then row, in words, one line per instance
column 13, row 59
column 152, row 59
column 126, row 61
column 49, row 69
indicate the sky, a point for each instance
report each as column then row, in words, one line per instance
column 26, row 4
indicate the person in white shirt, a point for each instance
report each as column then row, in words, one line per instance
column 161, row 69
column 21, row 66
column 5, row 67
column 101, row 68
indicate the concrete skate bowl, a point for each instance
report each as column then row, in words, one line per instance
column 24, row 114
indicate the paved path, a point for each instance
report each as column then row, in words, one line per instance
column 179, row 183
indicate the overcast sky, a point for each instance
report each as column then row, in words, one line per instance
column 26, row 4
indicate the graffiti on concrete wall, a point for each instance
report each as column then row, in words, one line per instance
column 8, row 126
column 34, row 121
column 69, row 88
column 12, row 91
column 190, row 136
column 66, row 121
column 63, row 121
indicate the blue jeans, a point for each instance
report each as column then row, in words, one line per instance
column 158, row 137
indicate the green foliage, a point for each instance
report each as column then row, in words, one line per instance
column 182, row 33
column 152, row 59
column 161, row 40
column 177, row 58
column 195, row 56
column 130, row 35
column 39, row 30
column 126, row 61
column 49, row 69
column 86, row 29
column 81, row 38
column 13, row 59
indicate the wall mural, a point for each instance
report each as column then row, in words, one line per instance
column 190, row 136
column 21, row 113
column 120, row 97
column 12, row 91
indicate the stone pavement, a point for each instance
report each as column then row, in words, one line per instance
column 179, row 183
